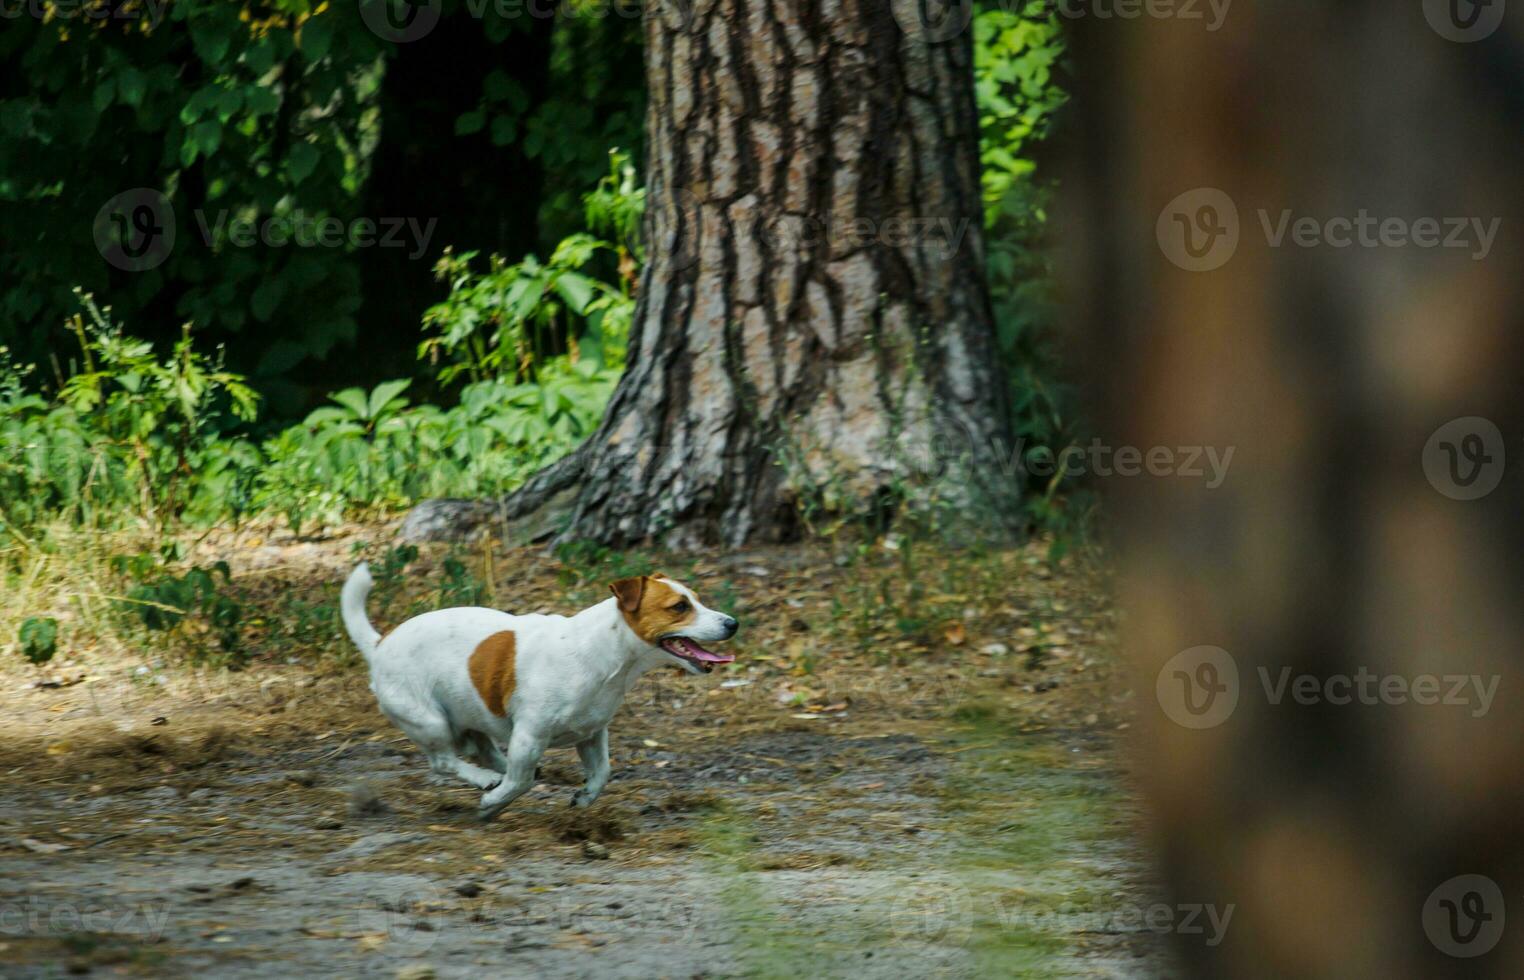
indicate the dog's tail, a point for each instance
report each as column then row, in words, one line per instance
column 352, row 605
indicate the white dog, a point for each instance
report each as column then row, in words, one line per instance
column 472, row 681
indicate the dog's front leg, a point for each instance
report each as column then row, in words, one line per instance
column 525, row 746
column 594, row 754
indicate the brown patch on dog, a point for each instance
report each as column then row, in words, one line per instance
column 491, row 667
column 651, row 606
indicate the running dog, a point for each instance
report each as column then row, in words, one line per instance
column 479, row 682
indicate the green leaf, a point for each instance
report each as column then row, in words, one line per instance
column 504, row 129
column 130, row 86
column 352, row 399
column 576, row 289
column 39, row 638
column 302, row 161
column 470, row 122
column 212, row 36
column 207, row 136
column 104, row 93
column 267, row 297
column 260, row 101
column 383, row 394
column 228, row 104
column 317, row 37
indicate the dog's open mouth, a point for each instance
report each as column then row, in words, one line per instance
column 685, row 649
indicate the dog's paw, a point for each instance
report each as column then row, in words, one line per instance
column 582, row 799
column 486, row 813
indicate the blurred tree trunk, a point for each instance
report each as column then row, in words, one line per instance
column 1337, row 830
column 813, row 307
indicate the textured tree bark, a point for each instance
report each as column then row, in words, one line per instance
column 1339, row 822
column 813, row 323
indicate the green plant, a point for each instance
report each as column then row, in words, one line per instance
column 165, row 602
column 127, row 434
column 39, row 638
column 502, row 322
column 588, row 562
column 459, row 587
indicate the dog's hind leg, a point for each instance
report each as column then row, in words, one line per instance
column 484, row 751
column 432, row 733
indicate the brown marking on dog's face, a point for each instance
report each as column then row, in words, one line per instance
column 491, row 667
column 652, row 607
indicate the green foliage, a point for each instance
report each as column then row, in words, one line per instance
column 1015, row 57
column 1017, row 54
column 129, row 436
column 502, row 322
column 338, row 459
column 459, row 586
column 258, row 113
column 493, row 323
column 165, row 602
column 126, row 431
column 225, row 110
column 38, row 638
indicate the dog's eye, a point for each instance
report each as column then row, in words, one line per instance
column 680, row 606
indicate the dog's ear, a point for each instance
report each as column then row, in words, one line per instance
column 629, row 591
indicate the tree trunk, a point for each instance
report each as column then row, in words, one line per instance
column 813, row 327
column 1357, row 832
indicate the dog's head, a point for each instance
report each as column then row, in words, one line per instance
column 669, row 617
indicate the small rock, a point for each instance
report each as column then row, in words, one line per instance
column 241, row 883
column 593, row 849
column 198, row 794
column 328, row 822
column 995, row 649
column 469, row 889
column 301, row 777
column 365, row 801
column 162, row 793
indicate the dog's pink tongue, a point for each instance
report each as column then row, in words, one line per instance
column 705, row 656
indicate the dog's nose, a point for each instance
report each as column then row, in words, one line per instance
column 730, row 626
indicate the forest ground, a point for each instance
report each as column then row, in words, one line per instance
column 915, row 768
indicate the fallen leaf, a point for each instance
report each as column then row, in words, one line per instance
column 41, row 847
column 955, row 634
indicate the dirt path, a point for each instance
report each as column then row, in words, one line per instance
column 202, row 854
column 951, row 822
